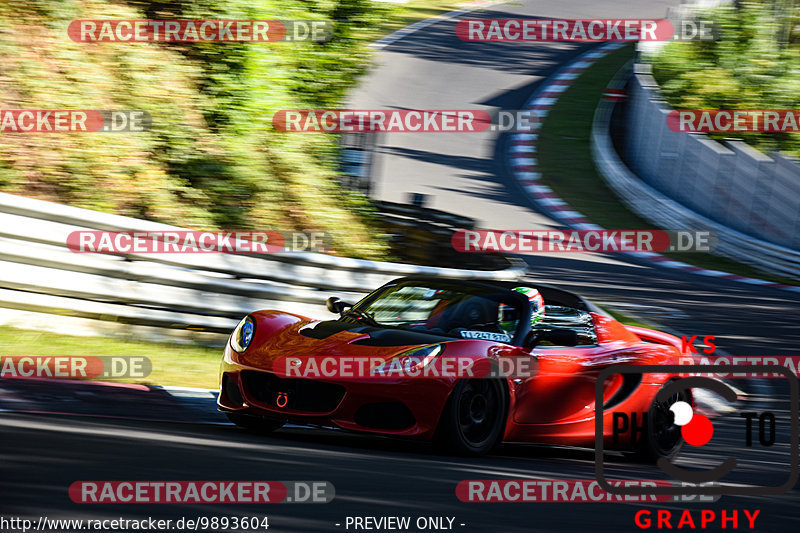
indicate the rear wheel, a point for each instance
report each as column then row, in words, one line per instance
column 663, row 434
column 255, row 424
column 474, row 418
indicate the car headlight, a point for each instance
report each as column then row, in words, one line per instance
column 243, row 334
column 410, row 361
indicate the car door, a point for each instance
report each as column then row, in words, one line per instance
column 564, row 386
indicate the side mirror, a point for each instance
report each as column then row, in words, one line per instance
column 335, row 305
column 558, row 337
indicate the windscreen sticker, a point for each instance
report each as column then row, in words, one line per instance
column 485, row 336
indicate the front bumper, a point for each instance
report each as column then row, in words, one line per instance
column 389, row 406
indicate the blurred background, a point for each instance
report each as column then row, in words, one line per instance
column 603, row 157
column 213, row 161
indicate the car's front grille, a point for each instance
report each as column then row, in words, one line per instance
column 295, row 394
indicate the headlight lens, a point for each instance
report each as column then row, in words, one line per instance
column 243, row 334
column 410, row 361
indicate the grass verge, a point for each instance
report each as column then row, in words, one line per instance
column 173, row 364
column 565, row 161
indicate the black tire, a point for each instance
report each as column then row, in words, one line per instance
column 255, row 424
column 663, row 435
column 473, row 419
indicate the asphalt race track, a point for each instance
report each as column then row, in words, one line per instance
column 143, row 435
column 43, row 454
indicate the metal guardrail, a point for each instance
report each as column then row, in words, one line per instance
column 198, row 292
column 729, row 182
column 666, row 213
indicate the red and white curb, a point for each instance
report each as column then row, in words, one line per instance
column 521, row 156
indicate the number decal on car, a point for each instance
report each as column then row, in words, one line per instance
column 486, row 336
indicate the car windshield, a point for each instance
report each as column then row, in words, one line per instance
column 561, row 317
column 447, row 309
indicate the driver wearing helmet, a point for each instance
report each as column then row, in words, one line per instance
column 537, row 303
column 508, row 316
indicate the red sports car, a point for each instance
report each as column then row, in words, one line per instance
column 405, row 333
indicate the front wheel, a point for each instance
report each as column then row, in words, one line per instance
column 473, row 419
column 255, row 424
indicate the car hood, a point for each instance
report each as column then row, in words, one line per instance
column 332, row 338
